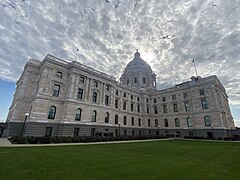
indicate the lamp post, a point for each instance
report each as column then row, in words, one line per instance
column 158, row 130
column 231, row 132
column 213, row 131
column 119, row 128
column 24, row 123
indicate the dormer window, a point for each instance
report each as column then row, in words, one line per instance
column 59, row 75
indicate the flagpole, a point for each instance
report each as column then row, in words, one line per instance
column 76, row 55
column 195, row 67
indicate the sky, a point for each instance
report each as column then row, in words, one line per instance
column 167, row 33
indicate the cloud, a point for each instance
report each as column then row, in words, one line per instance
column 168, row 34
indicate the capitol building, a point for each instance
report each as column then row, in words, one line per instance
column 58, row 98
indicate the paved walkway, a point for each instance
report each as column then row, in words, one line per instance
column 4, row 142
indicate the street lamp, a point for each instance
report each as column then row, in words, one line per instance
column 119, row 128
column 231, row 132
column 213, row 131
column 158, row 130
column 24, row 123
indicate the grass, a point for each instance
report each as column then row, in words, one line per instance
column 175, row 159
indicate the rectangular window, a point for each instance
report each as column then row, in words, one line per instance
column 48, row 131
column 80, row 93
column 127, row 81
column 185, row 95
column 163, row 98
column 164, row 108
column 137, row 98
column 82, row 79
column 144, row 80
column 93, row 132
column 131, row 96
column 124, row 105
column 59, row 75
column 155, row 110
column 204, row 104
column 107, row 87
column 135, row 80
column 132, row 121
column 76, row 132
column 116, row 103
column 201, row 92
column 131, row 106
column 155, row 100
column 95, row 84
column 147, row 100
column 116, row 92
column 149, row 123
column 106, row 100
column 133, row 133
column 138, row 108
column 56, row 90
column 94, row 98
column 175, row 108
column 174, row 97
column 147, row 110
column 186, row 106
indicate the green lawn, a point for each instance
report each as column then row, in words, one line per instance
column 174, row 159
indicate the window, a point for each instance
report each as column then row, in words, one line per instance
column 95, row 84
column 137, row 98
column 155, row 100
column 125, row 132
column 107, row 87
column 186, row 106
column 149, row 123
column 147, row 110
column 48, row 131
column 204, row 104
column 127, row 81
column 52, row 112
column 135, row 80
column 138, row 108
column 59, row 75
column 125, row 120
column 132, row 97
column 139, row 133
column 124, row 105
column 131, row 106
column 155, row 110
column 207, row 121
column 139, row 121
column 177, row 123
column 78, row 114
column 133, row 133
column 80, row 93
column 124, row 95
column 94, row 98
column 116, row 103
column 92, row 131
column 56, row 90
column 106, row 100
column 107, row 117
column 163, row 98
column 144, row 80
column 116, row 119
column 201, row 92
column 165, row 122
column 116, row 92
column 174, row 97
column 82, row 79
column 94, row 116
column 76, row 132
column 185, row 95
column 175, row 108
column 156, row 123
column 132, row 121
column 147, row 100
column 164, row 108
column 189, row 122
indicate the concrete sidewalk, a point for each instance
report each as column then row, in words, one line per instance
column 4, row 142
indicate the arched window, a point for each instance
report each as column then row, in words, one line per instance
column 166, row 122
column 116, row 119
column 52, row 112
column 189, row 122
column 107, row 117
column 139, row 122
column 78, row 114
column 156, row 123
column 125, row 120
column 207, row 121
column 94, row 116
column 177, row 123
